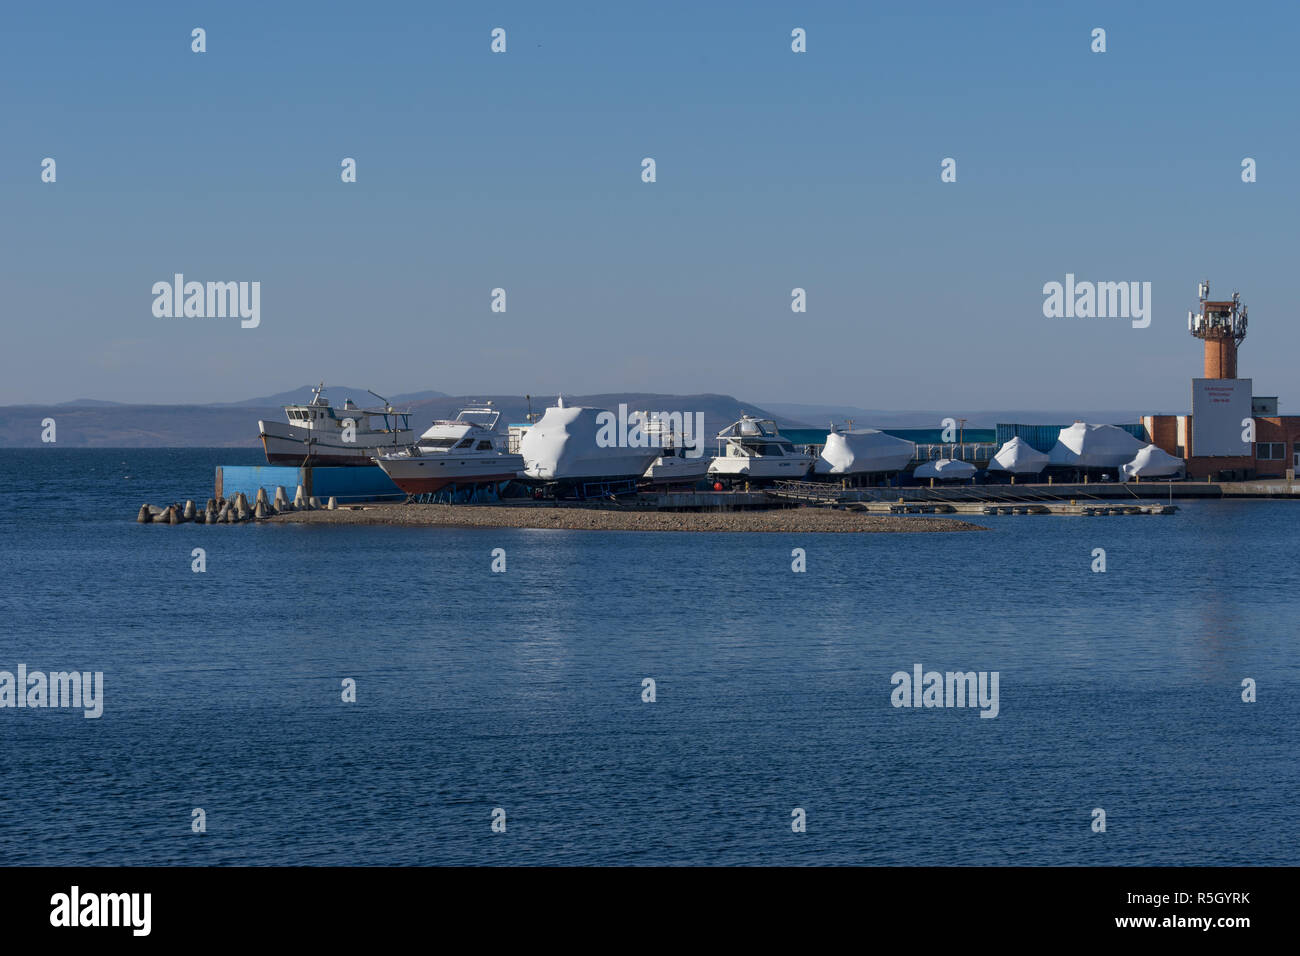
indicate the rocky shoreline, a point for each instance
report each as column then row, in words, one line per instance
column 784, row 520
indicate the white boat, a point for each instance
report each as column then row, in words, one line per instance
column 1153, row 462
column 464, row 452
column 946, row 469
column 1094, row 446
column 562, row 448
column 333, row 436
column 675, row 464
column 754, row 448
column 862, row 452
column 1018, row 457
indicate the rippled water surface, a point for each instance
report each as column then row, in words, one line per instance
column 522, row 690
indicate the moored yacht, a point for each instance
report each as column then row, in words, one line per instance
column 753, row 448
column 465, row 452
column 317, row 433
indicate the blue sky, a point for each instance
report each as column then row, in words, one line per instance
column 522, row 171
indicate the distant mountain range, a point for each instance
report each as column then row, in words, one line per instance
column 87, row 423
column 822, row 415
column 335, row 393
column 90, row 423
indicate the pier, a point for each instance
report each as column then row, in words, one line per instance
column 978, row 499
column 1082, row 500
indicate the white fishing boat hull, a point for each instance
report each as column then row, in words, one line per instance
column 287, row 444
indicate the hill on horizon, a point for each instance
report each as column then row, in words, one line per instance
column 336, row 394
column 103, row 425
column 822, row 415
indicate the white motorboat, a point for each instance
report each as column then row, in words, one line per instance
column 753, row 448
column 675, row 464
column 464, row 452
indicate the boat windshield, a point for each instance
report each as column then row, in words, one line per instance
column 770, row 449
column 437, row 442
column 485, row 418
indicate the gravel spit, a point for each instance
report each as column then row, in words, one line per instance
column 578, row 518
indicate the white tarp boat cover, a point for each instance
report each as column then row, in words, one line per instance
column 1019, row 457
column 863, row 451
column 946, row 468
column 1094, row 446
column 562, row 446
column 1153, row 462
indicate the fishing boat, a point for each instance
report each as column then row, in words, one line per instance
column 317, row 433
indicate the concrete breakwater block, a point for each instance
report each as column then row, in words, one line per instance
column 219, row 511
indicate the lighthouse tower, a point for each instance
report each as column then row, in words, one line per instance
column 1221, row 326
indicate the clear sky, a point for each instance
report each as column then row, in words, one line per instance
column 522, row 170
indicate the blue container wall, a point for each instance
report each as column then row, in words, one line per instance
column 1043, row 437
column 936, row 436
column 347, row 484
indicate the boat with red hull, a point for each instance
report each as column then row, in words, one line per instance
column 465, row 452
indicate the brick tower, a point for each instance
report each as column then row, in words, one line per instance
column 1221, row 326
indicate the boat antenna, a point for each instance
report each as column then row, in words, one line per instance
column 389, row 410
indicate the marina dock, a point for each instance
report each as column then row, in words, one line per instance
column 365, row 495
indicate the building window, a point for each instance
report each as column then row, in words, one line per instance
column 1270, row 450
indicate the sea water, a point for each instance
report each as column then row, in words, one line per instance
column 523, row 691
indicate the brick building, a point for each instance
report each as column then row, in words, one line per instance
column 1219, row 400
